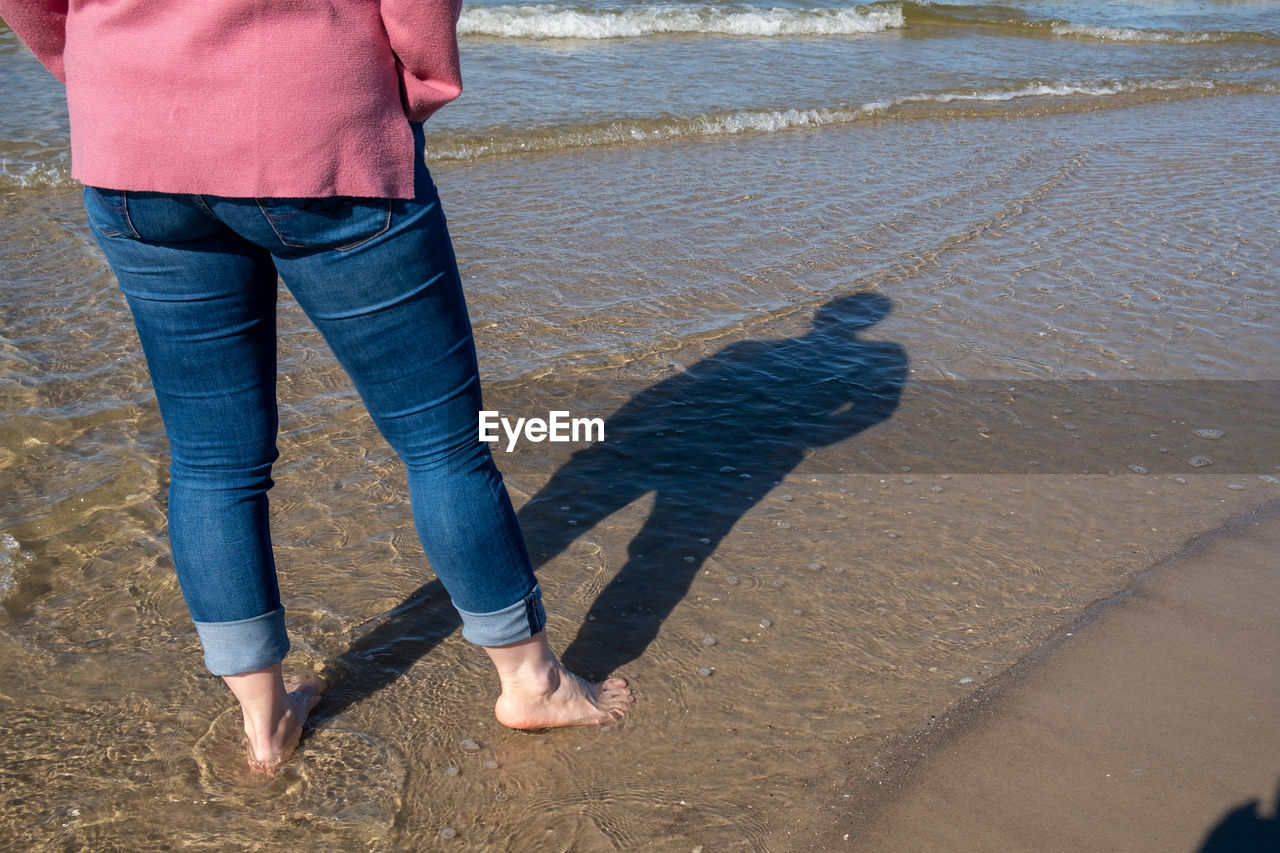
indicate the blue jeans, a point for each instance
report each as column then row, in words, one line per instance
column 379, row 280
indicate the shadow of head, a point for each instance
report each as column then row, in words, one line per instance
column 853, row 312
column 1245, row 829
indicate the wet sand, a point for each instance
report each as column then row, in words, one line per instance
column 1154, row 724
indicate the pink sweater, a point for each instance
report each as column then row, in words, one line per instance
column 288, row 98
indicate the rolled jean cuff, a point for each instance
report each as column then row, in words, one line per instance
column 245, row 645
column 508, row 625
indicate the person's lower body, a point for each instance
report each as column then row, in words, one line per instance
column 379, row 280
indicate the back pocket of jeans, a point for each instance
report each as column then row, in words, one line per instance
column 338, row 222
column 108, row 212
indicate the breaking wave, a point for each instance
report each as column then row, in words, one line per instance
column 546, row 21
column 550, row 21
column 952, row 104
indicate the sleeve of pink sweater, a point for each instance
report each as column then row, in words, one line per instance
column 424, row 38
column 42, row 25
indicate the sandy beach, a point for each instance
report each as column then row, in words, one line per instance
column 1150, row 725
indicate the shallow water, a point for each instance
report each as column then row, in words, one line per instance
column 1027, row 307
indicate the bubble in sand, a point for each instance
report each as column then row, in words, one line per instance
column 1269, row 480
column 500, row 797
column 788, row 498
column 491, row 764
column 469, row 745
column 841, row 515
column 1181, row 481
column 1235, row 487
column 708, row 641
column 840, row 569
column 1138, row 469
column 452, row 771
column 732, row 580
column 448, row 832
column 1199, row 461
column 936, row 489
column 785, row 525
column 765, row 623
column 967, row 679
column 705, row 670
column 1210, row 434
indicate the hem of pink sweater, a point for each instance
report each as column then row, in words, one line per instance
column 111, row 151
column 394, row 186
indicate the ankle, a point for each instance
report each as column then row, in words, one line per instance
column 533, row 681
column 268, row 734
column 528, row 666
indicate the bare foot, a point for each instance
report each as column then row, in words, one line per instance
column 557, row 697
column 269, row 749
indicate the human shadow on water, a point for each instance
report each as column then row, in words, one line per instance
column 374, row 660
column 710, row 443
column 1245, row 830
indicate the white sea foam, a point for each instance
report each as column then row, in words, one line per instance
column 769, row 121
column 1130, row 34
column 545, row 21
column 11, row 556
column 1058, row 90
column 35, row 176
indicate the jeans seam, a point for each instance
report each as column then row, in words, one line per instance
column 124, row 212
column 386, row 226
column 496, row 487
column 531, row 611
column 131, row 232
